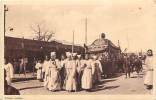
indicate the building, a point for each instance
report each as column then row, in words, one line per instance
column 20, row 47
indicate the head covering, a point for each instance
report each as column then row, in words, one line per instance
column 103, row 35
column 94, row 57
column 52, row 53
column 74, row 54
column 68, row 54
column 78, row 56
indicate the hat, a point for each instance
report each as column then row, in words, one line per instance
column 74, row 54
column 78, row 56
column 94, row 57
column 68, row 54
column 53, row 53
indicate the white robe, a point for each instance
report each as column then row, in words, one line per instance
column 87, row 81
column 38, row 66
column 9, row 72
column 46, row 65
column 54, row 81
column 70, row 82
column 149, row 63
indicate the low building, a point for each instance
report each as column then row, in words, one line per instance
column 19, row 47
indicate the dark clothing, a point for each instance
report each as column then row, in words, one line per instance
column 16, row 66
column 126, row 67
column 63, row 74
column 79, row 77
column 9, row 90
column 138, row 65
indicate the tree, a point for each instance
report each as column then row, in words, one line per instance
column 41, row 33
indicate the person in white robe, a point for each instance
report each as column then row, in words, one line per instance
column 39, row 67
column 46, row 65
column 8, row 67
column 97, row 69
column 150, row 64
column 54, row 80
column 70, row 81
column 86, row 81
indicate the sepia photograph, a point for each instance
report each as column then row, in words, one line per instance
column 80, row 49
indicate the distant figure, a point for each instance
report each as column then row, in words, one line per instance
column 39, row 67
column 126, row 66
column 15, row 65
column 9, row 90
column 46, row 65
column 138, row 65
column 23, row 64
column 149, row 63
column 8, row 67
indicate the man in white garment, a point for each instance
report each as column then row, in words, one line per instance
column 54, row 79
column 8, row 67
column 46, row 65
column 70, row 66
column 150, row 64
column 87, row 76
column 39, row 67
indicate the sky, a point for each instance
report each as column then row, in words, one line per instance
column 131, row 22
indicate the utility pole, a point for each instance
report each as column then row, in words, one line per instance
column 85, row 34
column 119, row 45
column 128, row 47
column 5, row 10
column 86, row 30
column 73, row 42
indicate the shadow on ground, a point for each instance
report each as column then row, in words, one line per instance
column 23, row 79
column 99, row 88
column 30, row 88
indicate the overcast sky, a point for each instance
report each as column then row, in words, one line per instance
column 132, row 22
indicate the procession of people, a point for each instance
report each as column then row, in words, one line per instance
column 73, row 72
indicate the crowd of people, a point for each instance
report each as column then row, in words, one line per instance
column 74, row 73
column 71, row 73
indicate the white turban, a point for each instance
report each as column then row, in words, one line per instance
column 68, row 54
column 78, row 56
column 74, row 54
column 94, row 57
column 53, row 53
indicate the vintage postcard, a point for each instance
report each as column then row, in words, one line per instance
column 82, row 49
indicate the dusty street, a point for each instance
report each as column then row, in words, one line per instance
column 117, row 85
